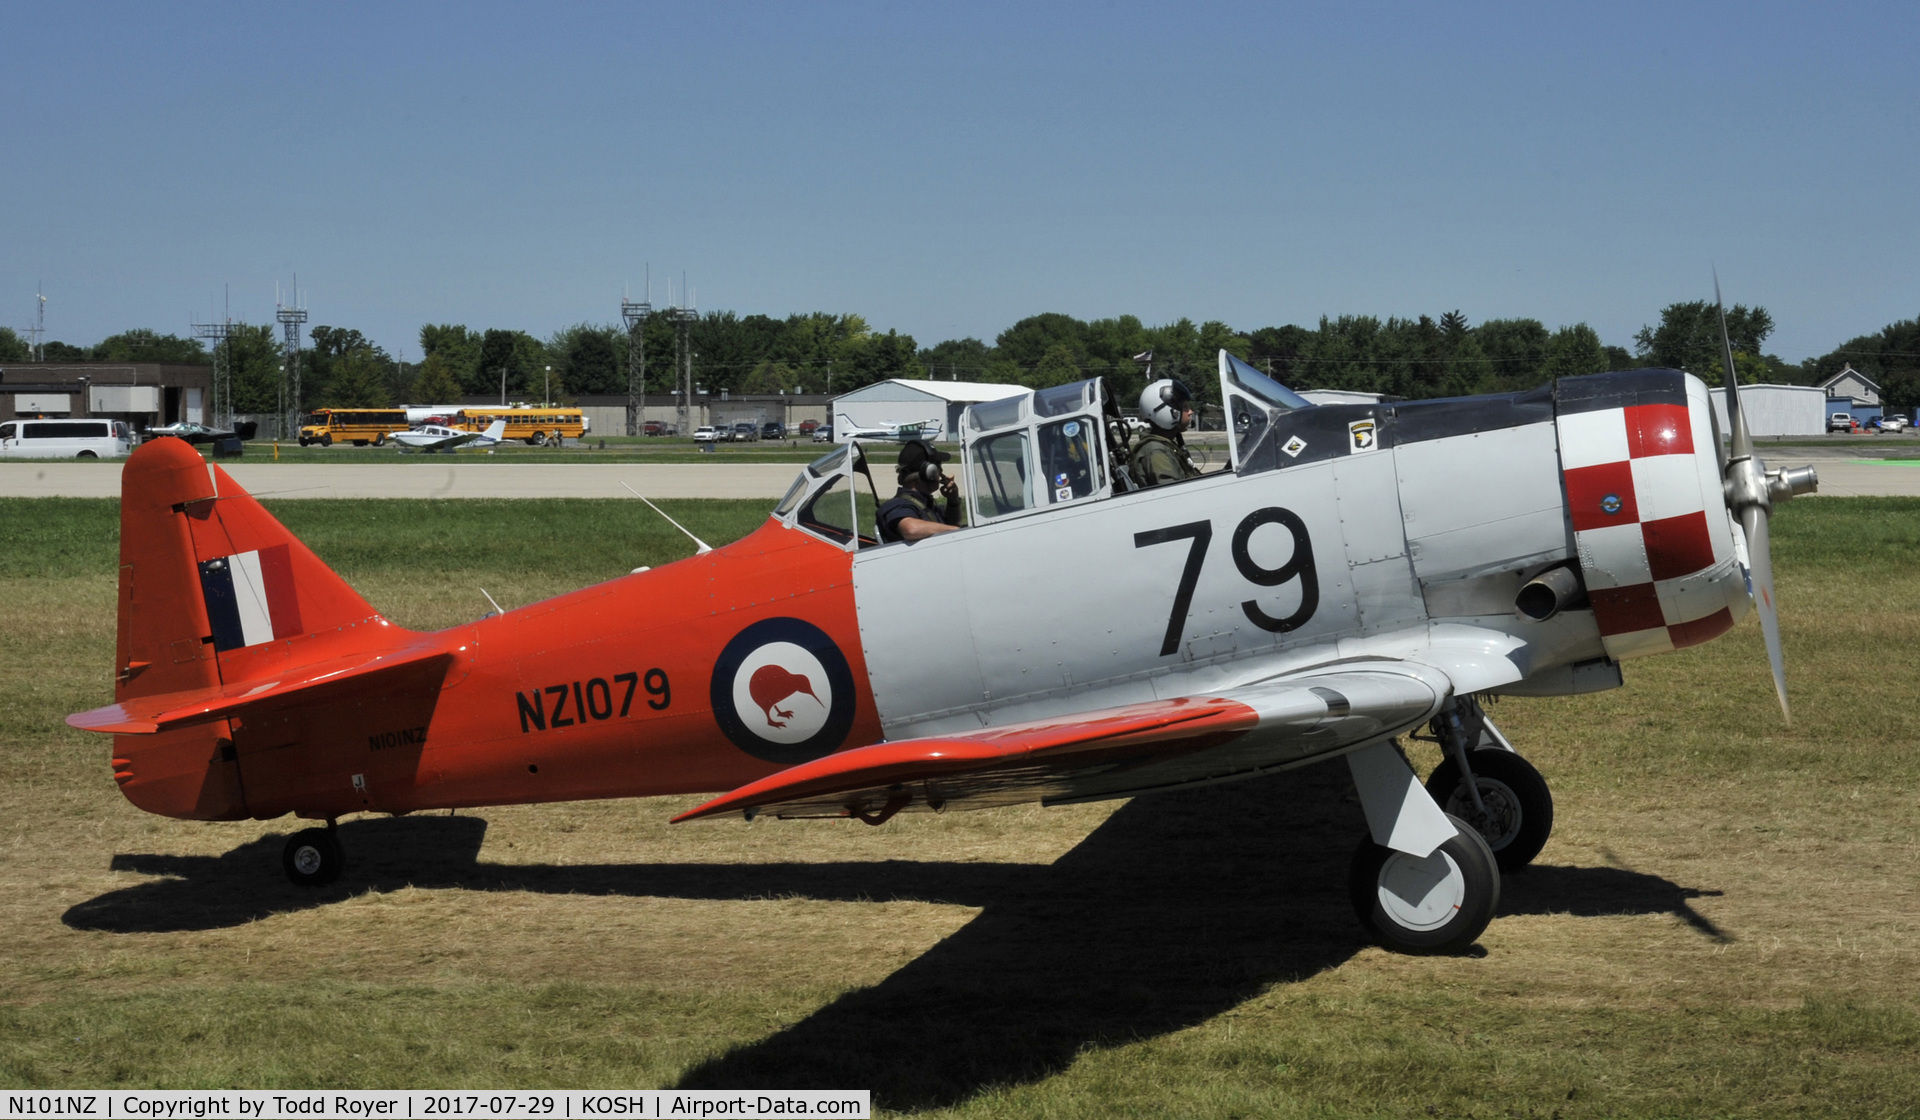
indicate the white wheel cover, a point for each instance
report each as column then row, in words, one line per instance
column 1421, row 894
column 306, row 859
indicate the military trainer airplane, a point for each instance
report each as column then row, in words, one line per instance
column 1358, row 573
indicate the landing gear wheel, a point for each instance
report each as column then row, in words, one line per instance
column 312, row 857
column 1436, row 905
column 1519, row 815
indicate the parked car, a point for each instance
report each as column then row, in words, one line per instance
column 706, row 433
column 823, row 433
column 66, row 439
column 1895, row 423
column 745, row 432
column 1840, row 422
column 773, row 429
column 655, row 428
column 807, row 427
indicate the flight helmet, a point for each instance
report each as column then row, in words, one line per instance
column 1163, row 403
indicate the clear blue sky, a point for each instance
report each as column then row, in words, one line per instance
column 947, row 170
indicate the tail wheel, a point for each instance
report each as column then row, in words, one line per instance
column 312, row 857
column 1519, row 807
column 1439, row 903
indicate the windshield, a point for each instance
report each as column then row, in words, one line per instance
column 1260, row 385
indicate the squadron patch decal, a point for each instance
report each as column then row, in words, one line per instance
column 1362, row 437
column 1294, row 446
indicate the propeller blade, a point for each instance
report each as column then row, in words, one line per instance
column 1736, row 416
column 1753, row 520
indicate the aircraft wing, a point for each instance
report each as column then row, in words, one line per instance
column 1105, row 753
column 164, row 711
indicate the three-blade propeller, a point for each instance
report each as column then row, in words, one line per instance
column 1751, row 489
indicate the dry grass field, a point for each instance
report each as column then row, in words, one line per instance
column 1726, row 922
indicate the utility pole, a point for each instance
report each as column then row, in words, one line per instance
column 39, row 329
column 683, row 320
column 290, row 319
column 636, row 315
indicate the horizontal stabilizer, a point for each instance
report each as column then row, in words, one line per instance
column 164, row 711
column 871, row 781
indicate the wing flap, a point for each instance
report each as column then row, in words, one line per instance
column 165, row 711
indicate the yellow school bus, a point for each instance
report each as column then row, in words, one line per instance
column 538, row 426
column 361, row 425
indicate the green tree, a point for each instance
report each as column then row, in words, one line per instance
column 1028, row 340
column 13, row 348
column 771, row 377
column 459, row 349
column 143, row 345
column 1516, row 349
column 1688, row 337
column 869, row 358
column 591, row 358
column 1572, row 351
column 957, row 359
column 502, row 368
column 357, row 380
column 436, row 383
column 253, row 359
column 1055, row 367
column 64, row 352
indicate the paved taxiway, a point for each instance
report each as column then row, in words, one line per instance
column 1840, row 477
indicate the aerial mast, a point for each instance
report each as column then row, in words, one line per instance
column 636, row 315
column 220, row 409
column 290, row 319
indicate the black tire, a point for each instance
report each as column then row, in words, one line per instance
column 312, row 857
column 1436, row 905
column 534, row 441
column 327, row 440
column 379, row 441
column 303, row 441
column 1519, row 805
column 86, row 455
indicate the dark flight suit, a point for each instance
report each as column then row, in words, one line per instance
column 1157, row 459
column 912, row 503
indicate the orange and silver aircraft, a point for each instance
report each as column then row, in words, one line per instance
column 1356, row 573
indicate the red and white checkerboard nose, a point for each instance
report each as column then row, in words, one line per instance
column 1656, row 546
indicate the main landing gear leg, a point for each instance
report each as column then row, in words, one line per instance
column 313, row 857
column 1423, row 881
column 1484, row 782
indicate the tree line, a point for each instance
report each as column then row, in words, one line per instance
column 820, row 352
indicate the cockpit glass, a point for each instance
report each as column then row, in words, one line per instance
column 1067, row 460
column 1266, row 388
column 794, row 494
column 829, row 463
column 995, row 414
column 1000, row 474
column 1060, row 400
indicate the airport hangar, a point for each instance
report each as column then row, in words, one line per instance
column 144, row 394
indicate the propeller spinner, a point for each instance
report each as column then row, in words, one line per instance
column 1751, row 490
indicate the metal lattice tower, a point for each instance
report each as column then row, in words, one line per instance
column 636, row 315
column 683, row 320
column 290, row 320
column 220, row 409
column 39, row 329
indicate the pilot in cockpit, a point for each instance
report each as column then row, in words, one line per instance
column 911, row 514
column 1160, row 453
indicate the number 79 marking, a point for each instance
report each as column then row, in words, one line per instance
column 1299, row 567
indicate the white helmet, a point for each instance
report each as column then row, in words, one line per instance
column 1163, row 403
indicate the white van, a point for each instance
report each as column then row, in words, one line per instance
column 65, row 439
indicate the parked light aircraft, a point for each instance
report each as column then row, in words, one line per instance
column 1360, row 572
column 436, row 437
column 930, row 430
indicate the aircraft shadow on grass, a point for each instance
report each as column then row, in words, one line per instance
column 1176, row 909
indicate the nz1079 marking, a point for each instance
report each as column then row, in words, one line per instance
column 579, row 702
column 1298, row 567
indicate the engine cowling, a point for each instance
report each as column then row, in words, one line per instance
column 1661, row 558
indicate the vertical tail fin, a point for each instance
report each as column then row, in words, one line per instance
column 213, row 590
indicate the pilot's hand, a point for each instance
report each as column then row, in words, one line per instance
column 948, row 487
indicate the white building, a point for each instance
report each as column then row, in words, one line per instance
column 1776, row 410
column 888, row 404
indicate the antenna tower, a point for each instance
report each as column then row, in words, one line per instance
column 39, row 329
column 290, row 320
column 683, row 320
column 220, row 410
column 636, row 315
